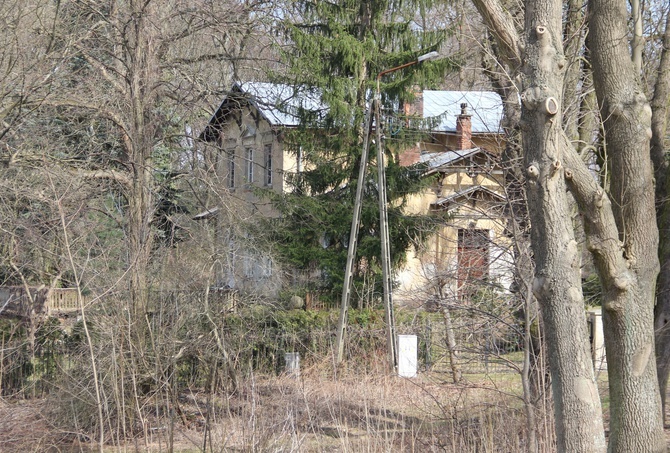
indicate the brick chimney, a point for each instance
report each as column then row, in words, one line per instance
column 464, row 128
column 410, row 156
column 415, row 107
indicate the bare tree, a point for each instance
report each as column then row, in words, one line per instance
column 29, row 58
column 141, row 67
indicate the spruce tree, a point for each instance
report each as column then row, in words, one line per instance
column 336, row 49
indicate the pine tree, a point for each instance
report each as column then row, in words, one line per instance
column 336, row 49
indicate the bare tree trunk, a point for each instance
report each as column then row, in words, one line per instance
column 557, row 283
column 574, row 44
column 451, row 339
column 659, row 127
column 637, row 44
column 528, row 399
column 140, row 240
column 628, row 275
column 622, row 234
column 499, row 72
column 143, row 74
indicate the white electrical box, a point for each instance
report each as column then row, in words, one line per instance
column 407, row 355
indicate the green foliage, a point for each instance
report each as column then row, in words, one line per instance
column 336, row 50
column 259, row 335
column 592, row 290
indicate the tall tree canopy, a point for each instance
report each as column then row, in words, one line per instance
column 337, row 49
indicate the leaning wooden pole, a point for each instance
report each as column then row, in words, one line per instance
column 353, row 242
column 387, row 276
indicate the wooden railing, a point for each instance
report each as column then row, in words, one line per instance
column 22, row 302
column 62, row 300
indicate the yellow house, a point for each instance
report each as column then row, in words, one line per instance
column 246, row 132
column 462, row 158
column 469, row 251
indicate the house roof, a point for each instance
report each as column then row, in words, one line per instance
column 485, row 107
column 279, row 104
column 435, row 161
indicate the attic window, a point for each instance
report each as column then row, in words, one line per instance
column 248, row 130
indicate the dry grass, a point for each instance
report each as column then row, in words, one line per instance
column 368, row 413
column 313, row 413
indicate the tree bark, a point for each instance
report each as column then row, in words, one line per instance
column 659, row 127
column 557, row 283
column 452, row 347
column 143, row 70
column 628, row 276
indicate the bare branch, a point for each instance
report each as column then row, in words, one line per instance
column 599, row 224
column 101, row 68
column 101, row 110
column 500, row 23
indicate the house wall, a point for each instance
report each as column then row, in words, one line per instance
column 246, row 131
column 436, row 262
column 246, row 266
column 455, row 182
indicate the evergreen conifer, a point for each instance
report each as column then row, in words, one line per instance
column 336, row 49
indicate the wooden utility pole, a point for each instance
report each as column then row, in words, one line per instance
column 387, row 276
column 373, row 112
column 353, row 241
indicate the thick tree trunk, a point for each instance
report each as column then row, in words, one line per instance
column 518, row 225
column 659, row 125
column 140, row 207
column 142, row 74
column 557, row 284
column 621, row 235
column 629, row 276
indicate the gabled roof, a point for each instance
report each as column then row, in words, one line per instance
column 436, row 161
column 485, row 107
column 280, row 105
column 458, row 198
